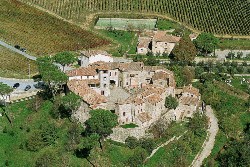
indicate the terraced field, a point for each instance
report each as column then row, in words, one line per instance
column 223, row 17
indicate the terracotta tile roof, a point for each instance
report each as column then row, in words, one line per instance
column 90, row 96
column 153, row 68
column 153, row 99
column 133, row 66
column 90, row 53
column 144, row 117
column 189, row 100
column 191, row 89
column 83, row 71
column 161, row 36
column 143, row 42
column 160, row 75
column 138, row 101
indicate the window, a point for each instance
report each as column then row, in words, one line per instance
column 126, row 83
column 105, row 78
column 124, row 113
column 102, row 92
column 115, row 73
column 110, row 74
column 105, row 85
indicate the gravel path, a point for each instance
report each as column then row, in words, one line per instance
column 164, row 144
column 209, row 142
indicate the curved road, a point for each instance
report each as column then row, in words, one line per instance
column 209, row 142
column 17, row 51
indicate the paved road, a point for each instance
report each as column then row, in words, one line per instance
column 209, row 143
column 29, row 56
column 23, row 83
column 17, row 51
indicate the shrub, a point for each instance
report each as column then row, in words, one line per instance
column 171, row 102
column 132, row 142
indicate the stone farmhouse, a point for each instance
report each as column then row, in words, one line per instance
column 158, row 42
column 135, row 92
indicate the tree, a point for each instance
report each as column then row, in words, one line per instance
column 51, row 75
column 66, row 105
column 101, row 122
column 35, row 141
column 73, row 137
column 137, row 159
column 131, row 142
column 188, row 74
column 147, row 144
column 47, row 159
column 171, row 102
column 206, row 42
column 184, row 50
column 198, row 124
column 4, row 91
column 64, row 58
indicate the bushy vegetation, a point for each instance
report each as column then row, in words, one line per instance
column 215, row 17
column 233, row 114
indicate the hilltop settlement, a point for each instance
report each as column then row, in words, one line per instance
column 135, row 92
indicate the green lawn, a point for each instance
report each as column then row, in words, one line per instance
column 14, row 65
column 163, row 24
column 131, row 125
column 123, row 40
column 41, row 33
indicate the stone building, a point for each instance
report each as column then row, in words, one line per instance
column 92, row 56
column 157, row 42
column 146, row 87
column 163, row 43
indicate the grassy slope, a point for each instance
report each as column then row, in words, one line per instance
column 243, row 44
column 15, row 65
column 41, row 33
column 23, row 119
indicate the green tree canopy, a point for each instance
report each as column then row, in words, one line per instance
column 171, row 102
column 51, row 75
column 184, row 50
column 5, row 89
column 64, row 58
column 206, row 42
column 101, row 122
column 71, row 102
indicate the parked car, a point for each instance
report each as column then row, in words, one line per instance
column 17, row 46
column 16, row 85
column 23, row 49
column 40, row 85
column 27, row 88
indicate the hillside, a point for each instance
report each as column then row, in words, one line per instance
column 41, row 33
column 223, row 17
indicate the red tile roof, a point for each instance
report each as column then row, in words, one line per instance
column 161, row 36
column 83, row 71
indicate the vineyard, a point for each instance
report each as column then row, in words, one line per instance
column 215, row 16
column 41, row 33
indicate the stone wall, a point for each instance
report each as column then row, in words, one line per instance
column 120, row 134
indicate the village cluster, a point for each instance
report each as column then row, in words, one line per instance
column 132, row 90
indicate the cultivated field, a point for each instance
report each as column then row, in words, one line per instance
column 124, row 24
column 220, row 17
column 41, row 33
column 14, row 65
